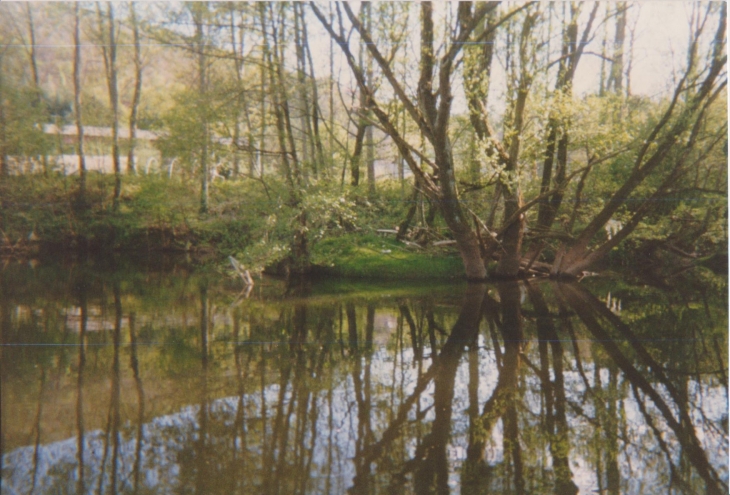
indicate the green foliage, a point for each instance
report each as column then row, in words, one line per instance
column 370, row 256
column 183, row 123
column 163, row 202
column 330, row 212
column 24, row 115
column 96, row 112
column 273, row 222
column 254, row 223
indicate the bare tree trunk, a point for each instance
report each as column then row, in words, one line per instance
column 513, row 228
column 370, row 159
column 548, row 209
column 237, row 62
column 31, row 49
column 77, row 107
column 34, row 71
column 630, row 62
column 281, row 108
column 278, row 117
column 401, row 160
column 316, row 111
column 332, row 89
column 247, row 111
column 369, row 144
column 300, row 262
column 114, row 97
column 137, row 90
column 4, row 165
column 437, row 118
column 109, row 51
column 615, row 77
column 403, row 227
column 603, row 83
column 308, row 146
column 300, row 245
column 198, row 12
column 357, row 153
column 361, row 122
column 262, row 110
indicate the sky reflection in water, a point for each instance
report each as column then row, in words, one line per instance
column 169, row 382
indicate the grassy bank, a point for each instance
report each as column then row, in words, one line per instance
column 370, row 256
column 42, row 215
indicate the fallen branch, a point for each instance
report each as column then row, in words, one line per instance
column 241, row 271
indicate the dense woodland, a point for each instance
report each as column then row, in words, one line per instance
column 287, row 132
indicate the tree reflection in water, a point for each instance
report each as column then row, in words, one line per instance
column 519, row 388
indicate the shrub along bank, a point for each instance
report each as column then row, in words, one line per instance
column 41, row 216
column 349, row 232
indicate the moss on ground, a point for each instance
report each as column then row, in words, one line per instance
column 373, row 257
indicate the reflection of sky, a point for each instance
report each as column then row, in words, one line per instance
column 642, row 464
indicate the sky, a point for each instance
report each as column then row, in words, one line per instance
column 661, row 33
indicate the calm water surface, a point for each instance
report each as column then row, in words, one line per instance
column 142, row 380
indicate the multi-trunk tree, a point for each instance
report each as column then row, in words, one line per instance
column 660, row 153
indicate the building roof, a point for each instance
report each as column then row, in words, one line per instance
column 94, row 131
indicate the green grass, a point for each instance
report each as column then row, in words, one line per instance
column 159, row 214
column 373, row 257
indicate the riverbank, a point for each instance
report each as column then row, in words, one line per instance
column 350, row 235
column 41, row 219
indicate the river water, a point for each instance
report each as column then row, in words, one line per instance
column 153, row 378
